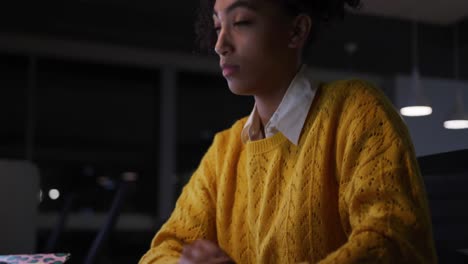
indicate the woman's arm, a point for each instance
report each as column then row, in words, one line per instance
column 382, row 203
column 193, row 217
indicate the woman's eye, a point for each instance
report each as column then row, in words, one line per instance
column 240, row 23
column 243, row 23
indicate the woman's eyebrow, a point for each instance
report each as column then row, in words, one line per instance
column 238, row 4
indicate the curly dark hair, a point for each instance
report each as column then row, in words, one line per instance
column 321, row 11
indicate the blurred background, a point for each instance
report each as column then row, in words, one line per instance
column 106, row 108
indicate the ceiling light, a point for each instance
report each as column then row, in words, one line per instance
column 417, row 104
column 54, row 194
column 458, row 119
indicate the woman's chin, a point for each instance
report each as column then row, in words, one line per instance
column 238, row 88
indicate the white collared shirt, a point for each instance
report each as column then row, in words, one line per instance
column 291, row 114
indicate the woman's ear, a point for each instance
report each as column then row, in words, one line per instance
column 300, row 31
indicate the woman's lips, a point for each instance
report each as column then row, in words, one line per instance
column 229, row 70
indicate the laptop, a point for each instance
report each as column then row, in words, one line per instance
column 56, row 258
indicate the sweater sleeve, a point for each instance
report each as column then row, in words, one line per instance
column 382, row 199
column 193, row 217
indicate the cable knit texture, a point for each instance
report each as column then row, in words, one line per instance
column 350, row 192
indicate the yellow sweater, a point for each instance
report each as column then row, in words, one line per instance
column 350, row 192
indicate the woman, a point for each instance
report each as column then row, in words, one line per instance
column 315, row 174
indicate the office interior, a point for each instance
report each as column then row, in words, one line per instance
column 108, row 106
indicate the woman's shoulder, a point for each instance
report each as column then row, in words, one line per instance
column 349, row 87
column 352, row 92
column 357, row 99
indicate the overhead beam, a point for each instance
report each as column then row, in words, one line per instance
column 104, row 53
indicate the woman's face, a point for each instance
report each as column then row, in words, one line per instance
column 252, row 44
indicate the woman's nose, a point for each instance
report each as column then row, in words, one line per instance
column 223, row 44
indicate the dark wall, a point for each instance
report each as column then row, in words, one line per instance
column 384, row 47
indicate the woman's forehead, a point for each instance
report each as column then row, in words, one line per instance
column 224, row 7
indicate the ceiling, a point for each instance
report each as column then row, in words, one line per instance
column 430, row 11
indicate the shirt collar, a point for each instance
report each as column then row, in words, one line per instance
column 290, row 116
column 252, row 128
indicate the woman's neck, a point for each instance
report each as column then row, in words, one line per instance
column 267, row 105
column 268, row 102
